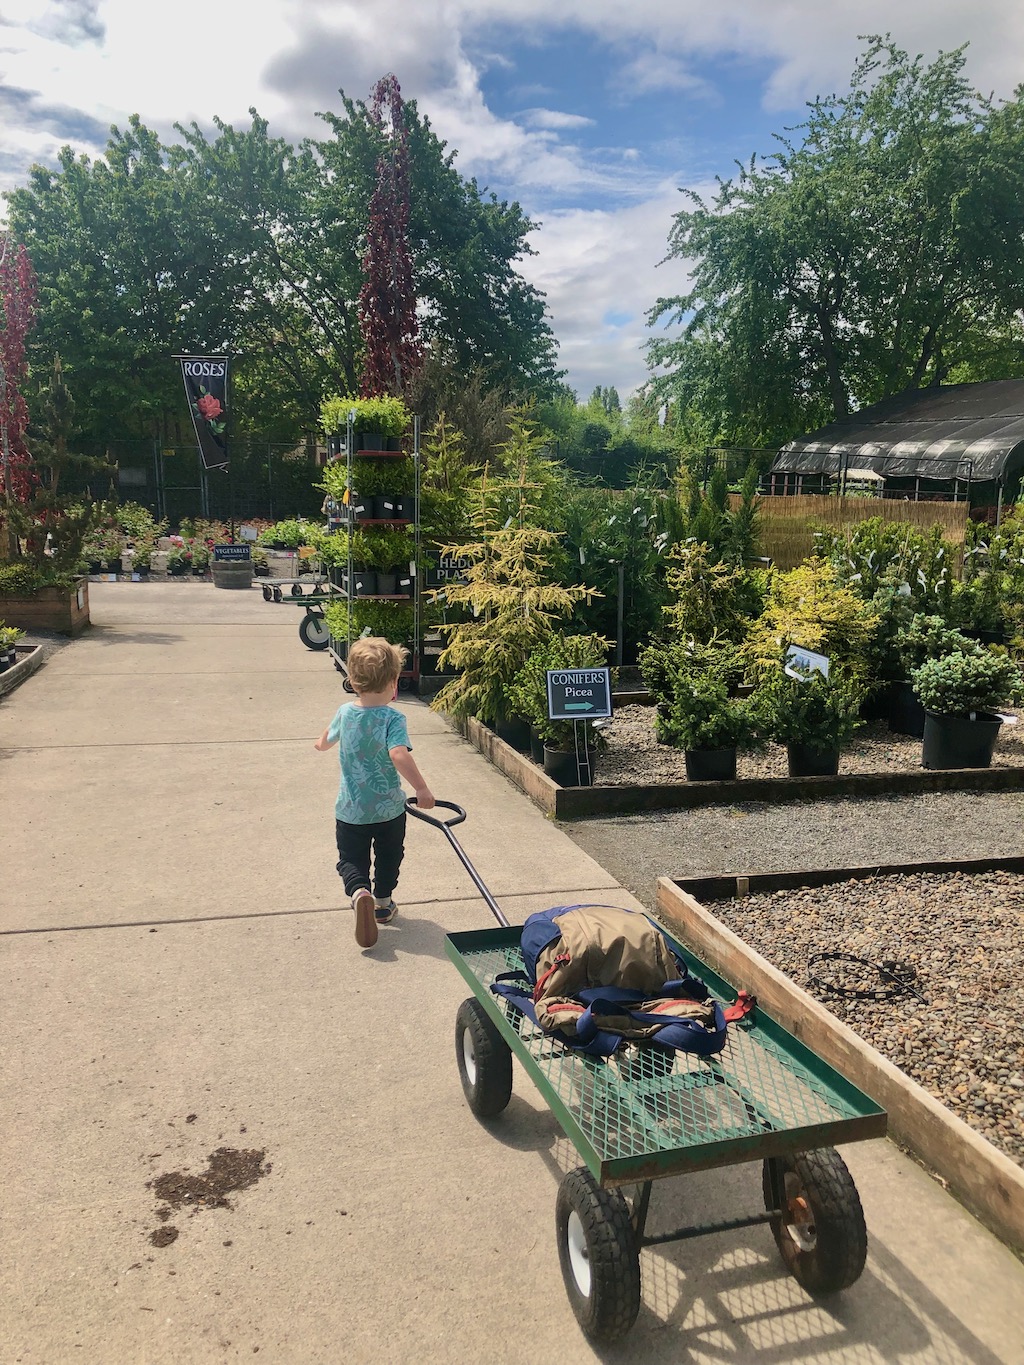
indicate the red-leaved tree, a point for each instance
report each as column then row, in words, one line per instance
column 17, row 314
column 387, row 301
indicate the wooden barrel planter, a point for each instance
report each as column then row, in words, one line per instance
column 232, row 573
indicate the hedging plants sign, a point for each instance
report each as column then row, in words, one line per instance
column 579, row 693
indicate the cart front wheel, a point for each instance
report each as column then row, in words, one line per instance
column 820, row 1227
column 598, row 1254
column 484, row 1058
column 313, row 632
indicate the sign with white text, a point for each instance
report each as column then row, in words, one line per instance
column 801, row 663
column 579, row 693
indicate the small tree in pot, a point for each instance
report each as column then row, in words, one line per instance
column 528, row 693
column 709, row 725
column 960, row 694
column 812, row 716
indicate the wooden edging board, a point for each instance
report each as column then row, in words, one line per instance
column 986, row 1181
column 577, row 803
column 29, row 659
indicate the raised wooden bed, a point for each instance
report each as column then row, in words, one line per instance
column 985, row 1180
column 65, row 610
column 29, row 659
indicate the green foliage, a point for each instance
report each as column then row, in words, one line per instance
column 808, row 606
column 9, row 635
column 702, row 715
column 291, row 533
column 384, row 414
column 138, row 522
column 446, row 485
column 960, row 684
column 21, row 579
column 817, row 711
column 876, row 250
column 528, row 692
column 929, row 637
column 392, row 620
column 711, row 599
column 515, row 606
column 881, row 557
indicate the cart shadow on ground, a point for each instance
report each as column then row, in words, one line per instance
column 726, row 1297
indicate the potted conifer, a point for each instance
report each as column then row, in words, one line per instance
column 961, row 694
column 812, row 716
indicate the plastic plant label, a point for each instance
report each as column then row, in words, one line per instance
column 801, row 663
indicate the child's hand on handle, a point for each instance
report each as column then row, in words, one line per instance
column 424, row 798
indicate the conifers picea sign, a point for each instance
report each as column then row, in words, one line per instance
column 206, row 387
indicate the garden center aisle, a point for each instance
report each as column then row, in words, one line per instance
column 180, row 979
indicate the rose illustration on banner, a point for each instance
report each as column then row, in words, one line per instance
column 210, row 409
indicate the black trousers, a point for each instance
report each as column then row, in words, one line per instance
column 386, row 840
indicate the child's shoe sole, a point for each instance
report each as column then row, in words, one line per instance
column 366, row 920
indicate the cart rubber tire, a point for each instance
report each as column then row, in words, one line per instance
column 598, row 1254
column 268, row 596
column 276, row 594
column 296, row 589
column 484, row 1058
column 822, row 1239
column 313, row 632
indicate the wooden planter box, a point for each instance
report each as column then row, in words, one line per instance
column 65, row 610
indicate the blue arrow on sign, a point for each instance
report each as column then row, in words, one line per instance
column 579, row 706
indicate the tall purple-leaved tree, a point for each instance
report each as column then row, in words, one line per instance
column 387, row 301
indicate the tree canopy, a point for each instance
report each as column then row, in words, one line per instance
column 882, row 250
column 241, row 242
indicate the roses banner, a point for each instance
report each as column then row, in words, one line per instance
column 206, row 388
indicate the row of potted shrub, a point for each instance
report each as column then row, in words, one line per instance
column 9, row 637
column 959, row 690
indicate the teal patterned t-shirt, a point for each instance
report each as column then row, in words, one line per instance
column 370, row 787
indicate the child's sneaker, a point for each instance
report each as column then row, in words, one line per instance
column 366, row 923
column 385, row 911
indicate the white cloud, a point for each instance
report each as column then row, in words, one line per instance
column 660, row 71
column 599, row 269
column 555, row 119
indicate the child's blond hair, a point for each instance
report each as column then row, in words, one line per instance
column 374, row 664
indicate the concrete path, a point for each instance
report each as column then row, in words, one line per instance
column 179, row 975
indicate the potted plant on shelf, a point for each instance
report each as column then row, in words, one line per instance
column 709, row 726
column 812, row 716
column 960, row 695
column 377, row 423
column 179, row 558
column 200, row 557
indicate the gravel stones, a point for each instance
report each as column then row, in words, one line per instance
column 634, row 756
column 959, row 939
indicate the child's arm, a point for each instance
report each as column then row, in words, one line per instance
column 406, row 767
column 323, row 743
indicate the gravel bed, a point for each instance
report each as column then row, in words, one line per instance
column 962, row 938
column 634, row 756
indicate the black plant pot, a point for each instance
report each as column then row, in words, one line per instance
column 177, row 570
column 142, row 570
column 561, row 766
column 536, row 745
column 364, row 583
column 96, row 566
column 113, row 566
column 404, row 587
column 403, row 507
column 261, row 570
column 958, row 741
column 384, row 507
column 361, row 509
column 905, row 712
column 387, row 584
column 515, row 731
column 987, row 637
column 710, row 765
column 198, row 571
column 806, row 760
column 371, row 440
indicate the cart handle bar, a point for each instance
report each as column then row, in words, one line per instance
column 446, row 827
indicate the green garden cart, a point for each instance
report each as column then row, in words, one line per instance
column 646, row 1114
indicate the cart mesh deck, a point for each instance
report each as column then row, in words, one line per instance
column 646, row 1113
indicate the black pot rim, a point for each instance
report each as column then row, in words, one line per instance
column 965, row 716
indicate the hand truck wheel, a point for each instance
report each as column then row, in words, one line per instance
column 484, row 1058
column 313, row 631
column 598, row 1254
column 817, row 1220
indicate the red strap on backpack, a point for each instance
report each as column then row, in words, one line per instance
column 743, row 1006
column 560, row 961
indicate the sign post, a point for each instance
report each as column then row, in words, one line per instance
column 579, row 695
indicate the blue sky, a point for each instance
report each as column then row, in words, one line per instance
column 591, row 113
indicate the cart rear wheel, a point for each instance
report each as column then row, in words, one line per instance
column 820, row 1231
column 268, row 596
column 296, row 589
column 313, row 632
column 598, row 1255
column 484, row 1058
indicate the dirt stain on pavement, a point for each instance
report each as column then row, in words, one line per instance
column 228, row 1169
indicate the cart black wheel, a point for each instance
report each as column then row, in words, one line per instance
column 276, row 594
column 820, row 1231
column 598, row 1254
column 484, row 1058
column 296, row 589
column 313, row 632
column 268, row 596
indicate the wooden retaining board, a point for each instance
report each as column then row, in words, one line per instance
column 985, row 1180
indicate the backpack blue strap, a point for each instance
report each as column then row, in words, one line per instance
column 685, row 1035
column 597, row 1044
